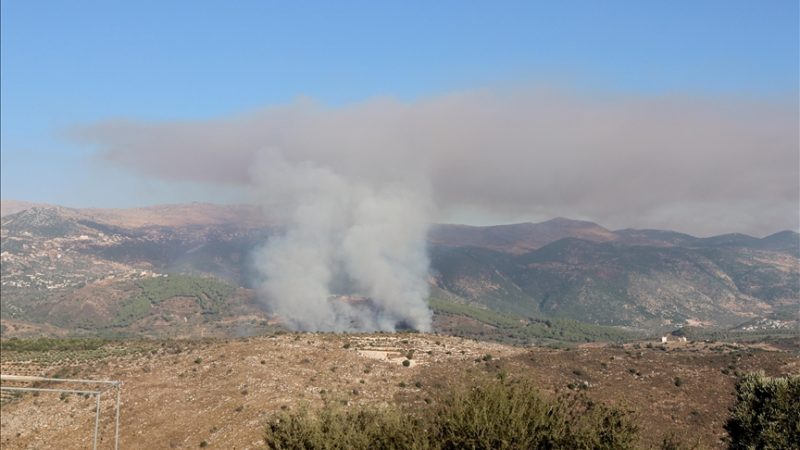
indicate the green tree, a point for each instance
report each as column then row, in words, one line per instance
column 766, row 414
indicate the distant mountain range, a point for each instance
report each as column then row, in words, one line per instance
column 524, row 237
column 66, row 269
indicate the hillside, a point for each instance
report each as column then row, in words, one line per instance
column 67, row 271
column 617, row 284
column 517, row 238
column 182, row 394
column 64, row 271
column 174, row 215
column 14, row 206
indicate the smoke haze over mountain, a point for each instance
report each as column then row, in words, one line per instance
column 357, row 185
column 698, row 165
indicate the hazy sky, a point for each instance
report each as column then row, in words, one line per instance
column 662, row 114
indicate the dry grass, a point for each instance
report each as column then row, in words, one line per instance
column 239, row 385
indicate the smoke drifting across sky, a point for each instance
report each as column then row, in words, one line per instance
column 698, row 165
column 357, row 185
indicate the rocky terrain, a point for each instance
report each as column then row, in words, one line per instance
column 87, row 271
column 221, row 393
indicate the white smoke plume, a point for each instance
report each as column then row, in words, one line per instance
column 343, row 236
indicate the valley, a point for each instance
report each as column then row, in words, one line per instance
column 187, row 270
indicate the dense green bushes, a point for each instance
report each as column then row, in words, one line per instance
column 516, row 329
column 210, row 294
column 489, row 415
column 495, row 415
column 766, row 414
column 335, row 428
column 52, row 344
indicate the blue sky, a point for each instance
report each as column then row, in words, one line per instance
column 71, row 63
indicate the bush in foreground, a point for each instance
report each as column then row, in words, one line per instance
column 336, row 428
column 489, row 415
column 496, row 415
column 766, row 414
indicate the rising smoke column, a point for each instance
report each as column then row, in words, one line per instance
column 343, row 231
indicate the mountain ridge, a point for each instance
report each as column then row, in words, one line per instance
column 576, row 270
column 175, row 214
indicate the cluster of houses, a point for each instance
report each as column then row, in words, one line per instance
column 665, row 339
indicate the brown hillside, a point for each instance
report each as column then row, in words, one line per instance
column 179, row 394
column 177, row 215
column 518, row 238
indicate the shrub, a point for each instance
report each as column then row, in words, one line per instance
column 485, row 415
column 52, row 344
column 336, row 428
column 672, row 442
column 678, row 381
column 516, row 415
column 765, row 414
column 406, row 363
